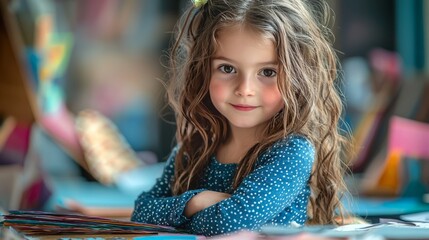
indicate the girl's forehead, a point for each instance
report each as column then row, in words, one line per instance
column 244, row 32
column 244, row 45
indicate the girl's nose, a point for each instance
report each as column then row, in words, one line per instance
column 245, row 86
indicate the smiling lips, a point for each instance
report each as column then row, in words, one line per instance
column 244, row 108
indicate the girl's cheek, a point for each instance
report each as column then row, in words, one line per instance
column 216, row 89
column 273, row 97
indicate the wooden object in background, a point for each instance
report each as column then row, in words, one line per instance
column 16, row 96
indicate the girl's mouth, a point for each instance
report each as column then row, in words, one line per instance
column 241, row 107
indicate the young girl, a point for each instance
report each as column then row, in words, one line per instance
column 253, row 89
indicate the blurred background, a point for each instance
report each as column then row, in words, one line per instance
column 83, row 119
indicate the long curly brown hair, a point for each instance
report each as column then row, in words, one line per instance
column 308, row 67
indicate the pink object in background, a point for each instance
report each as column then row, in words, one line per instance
column 61, row 127
column 17, row 141
column 14, row 143
column 386, row 62
column 409, row 137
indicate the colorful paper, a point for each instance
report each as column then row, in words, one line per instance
column 45, row 223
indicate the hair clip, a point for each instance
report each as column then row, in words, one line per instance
column 199, row 3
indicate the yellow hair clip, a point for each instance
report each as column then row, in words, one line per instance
column 199, row 3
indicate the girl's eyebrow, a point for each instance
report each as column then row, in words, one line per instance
column 230, row 60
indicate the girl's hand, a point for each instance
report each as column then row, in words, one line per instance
column 203, row 200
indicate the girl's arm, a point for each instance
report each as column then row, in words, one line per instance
column 158, row 206
column 204, row 200
column 268, row 190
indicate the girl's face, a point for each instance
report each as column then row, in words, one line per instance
column 243, row 83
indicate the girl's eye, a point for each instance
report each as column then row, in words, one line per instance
column 227, row 69
column 268, row 73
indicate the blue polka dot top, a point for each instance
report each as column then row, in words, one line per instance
column 275, row 193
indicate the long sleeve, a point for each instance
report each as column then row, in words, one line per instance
column 277, row 182
column 158, row 206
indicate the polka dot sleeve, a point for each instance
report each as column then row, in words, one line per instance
column 158, row 206
column 279, row 176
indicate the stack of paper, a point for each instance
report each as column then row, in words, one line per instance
column 44, row 223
